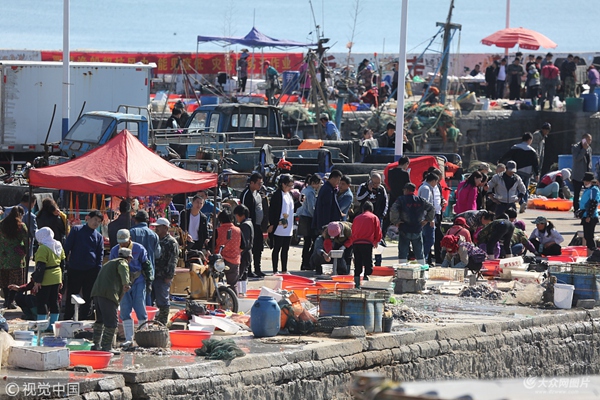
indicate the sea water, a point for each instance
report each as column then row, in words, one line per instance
column 167, row 26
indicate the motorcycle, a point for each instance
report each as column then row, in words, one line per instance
column 207, row 282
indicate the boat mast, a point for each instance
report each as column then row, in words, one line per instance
column 449, row 29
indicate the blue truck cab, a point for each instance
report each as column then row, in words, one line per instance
column 96, row 128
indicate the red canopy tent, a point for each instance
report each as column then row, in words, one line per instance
column 121, row 167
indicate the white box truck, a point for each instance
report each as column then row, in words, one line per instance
column 30, row 89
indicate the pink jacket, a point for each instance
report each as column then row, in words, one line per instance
column 466, row 198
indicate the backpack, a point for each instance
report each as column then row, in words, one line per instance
column 476, row 255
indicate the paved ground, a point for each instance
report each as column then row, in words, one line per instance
column 565, row 223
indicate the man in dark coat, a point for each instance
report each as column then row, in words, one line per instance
column 327, row 208
column 252, row 199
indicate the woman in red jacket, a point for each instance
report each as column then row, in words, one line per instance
column 466, row 193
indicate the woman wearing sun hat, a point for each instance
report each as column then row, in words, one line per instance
column 545, row 238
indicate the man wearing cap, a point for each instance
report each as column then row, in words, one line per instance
column 164, row 269
column 140, row 233
column 84, row 249
column 388, row 138
column 506, row 188
column 111, row 285
column 527, row 159
column 141, row 275
column 539, row 142
column 582, row 163
column 331, row 131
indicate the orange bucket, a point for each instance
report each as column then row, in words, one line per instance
column 345, row 285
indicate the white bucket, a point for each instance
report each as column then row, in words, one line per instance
column 273, row 282
column 563, row 295
column 485, row 103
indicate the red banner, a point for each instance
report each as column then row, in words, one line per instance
column 204, row 63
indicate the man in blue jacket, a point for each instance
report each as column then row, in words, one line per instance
column 327, row 208
column 141, row 276
column 84, row 249
column 140, row 233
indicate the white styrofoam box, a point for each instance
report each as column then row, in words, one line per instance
column 39, row 358
column 66, row 329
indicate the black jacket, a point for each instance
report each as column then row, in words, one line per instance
column 53, row 222
column 247, row 199
column 275, row 208
column 327, row 208
column 184, row 221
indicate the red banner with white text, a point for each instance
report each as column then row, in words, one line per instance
column 204, row 63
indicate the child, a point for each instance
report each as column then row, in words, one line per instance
column 242, row 214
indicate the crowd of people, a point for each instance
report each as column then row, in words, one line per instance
column 538, row 79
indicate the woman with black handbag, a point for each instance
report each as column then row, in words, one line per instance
column 589, row 210
column 306, row 212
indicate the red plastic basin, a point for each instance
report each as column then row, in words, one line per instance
column 181, row 338
column 383, row 271
column 298, row 280
column 95, row 359
column 567, row 259
column 580, row 250
column 151, row 311
column 252, row 293
column 344, row 278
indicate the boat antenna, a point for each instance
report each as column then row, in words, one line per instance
column 317, row 27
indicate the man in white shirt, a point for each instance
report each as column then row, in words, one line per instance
column 501, row 81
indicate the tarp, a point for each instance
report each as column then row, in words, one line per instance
column 416, row 168
column 121, row 167
column 254, row 38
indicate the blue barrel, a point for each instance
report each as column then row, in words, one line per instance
column 590, row 102
column 585, row 287
column 265, row 317
column 378, row 316
column 361, row 313
column 291, row 82
column 329, row 306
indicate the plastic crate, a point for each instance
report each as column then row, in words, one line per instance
column 446, row 274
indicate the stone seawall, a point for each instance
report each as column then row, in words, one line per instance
column 561, row 344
